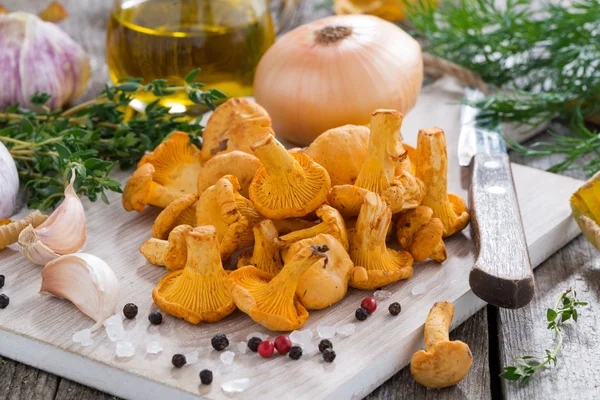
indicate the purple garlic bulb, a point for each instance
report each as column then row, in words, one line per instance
column 38, row 56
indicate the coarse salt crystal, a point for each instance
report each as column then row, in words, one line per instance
column 242, row 347
column 309, row 348
column 227, row 357
column 382, row 294
column 125, row 349
column 236, row 386
column 154, row 347
column 262, row 336
column 419, row 289
column 326, row 332
column 346, row 330
column 82, row 336
column 297, row 337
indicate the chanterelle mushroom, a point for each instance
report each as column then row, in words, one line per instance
column 421, row 234
column 234, row 125
column 171, row 253
column 324, row 283
column 239, row 164
column 443, row 363
column 141, row 190
column 181, row 211
column 287, row 185
column 432, row 169
column 201, row 291
column 272, row 302
column 376, row 265
column 265, row 254
column 331, row 222
column 585, row 204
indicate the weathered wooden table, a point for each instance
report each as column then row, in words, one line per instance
column 494, row 335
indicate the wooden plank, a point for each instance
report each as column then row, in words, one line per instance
column 69, row 390
column 19, row 381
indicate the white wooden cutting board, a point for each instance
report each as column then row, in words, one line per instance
column 37, row 329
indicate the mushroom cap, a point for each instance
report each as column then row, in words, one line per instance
column 421, row 234
column 341, row 151
column 136, row 193
column 234, row 125
column 335, row 221
column 176, row 255
column 347, row 199
column 176, row 213
column 585, row 205
column 413, row 193
column 237, row 163
column 285, row 226
column 445, row 365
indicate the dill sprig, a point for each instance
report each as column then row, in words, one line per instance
column 548, row 58
column 92, row 137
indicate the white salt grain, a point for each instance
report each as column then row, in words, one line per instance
column 382, row 294
column 125, row 349
column 346, row 330
column 297, row 337
column 308, row 349
column 236, row 386
column 154, row 347
column 191, row 357
column 227, row 357
column 262, row 336
column 307, row 334
column 82, row 336
column 326, row 332
column 114, row 327
column 419, row 289
column 242, row 347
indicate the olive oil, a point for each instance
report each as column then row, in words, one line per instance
column 157, row 39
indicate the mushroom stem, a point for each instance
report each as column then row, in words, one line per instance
column 437, row 324
column 265, row 255
column 9, row 233
column 155, row 250
column 161, row 196
column 201, row 243
column 275, row 158
column 292, row 237
column 432, row 165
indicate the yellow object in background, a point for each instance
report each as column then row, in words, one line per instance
column 390, row 10
column 585, row 204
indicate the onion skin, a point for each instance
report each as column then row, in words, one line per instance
column 9, row 183
column 309, row 87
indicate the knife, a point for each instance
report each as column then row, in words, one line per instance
column 502, row 274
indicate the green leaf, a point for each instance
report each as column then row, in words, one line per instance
column 189, row 78
column 128, row 86
column 511, row 374
column 566, row 316
column 63, row 151
column 26, row 126
column 551, row 315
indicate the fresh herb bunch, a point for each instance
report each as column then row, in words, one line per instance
column 92, row 137
column 526, row 366
column 548, row 58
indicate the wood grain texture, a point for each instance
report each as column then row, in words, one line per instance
column 19, row 381
column 69, row 390
column 502, row 274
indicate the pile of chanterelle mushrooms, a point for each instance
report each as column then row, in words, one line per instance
column 318, row 218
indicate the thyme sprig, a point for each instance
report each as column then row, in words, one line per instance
column 93, row 137
column 527, row 366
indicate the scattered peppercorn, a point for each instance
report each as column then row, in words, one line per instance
column 155, row 318
column 253, row 343
column 2, row 278
column 4, row 301
column 219, row 342
column 283, row 344
column 395, row 308
column 329, row 355
column 369, row 304
column 361, row 314
column 178, row 360
column 325, row 344
column 295, row 352
column 130, row 311
column 266, row 349
column 206, row 377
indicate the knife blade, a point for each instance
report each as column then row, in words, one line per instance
column 502, row 274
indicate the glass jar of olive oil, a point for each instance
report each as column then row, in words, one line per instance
column 156, row 39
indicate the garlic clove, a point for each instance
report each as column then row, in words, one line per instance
column 86, row 281
column 63, row 232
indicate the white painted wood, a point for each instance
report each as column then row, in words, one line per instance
column 37, row 329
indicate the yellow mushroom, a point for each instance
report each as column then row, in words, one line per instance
column 331, row 222
column 585, row 205
column 181, row 211
column 201, row 291
column 239, row 164
column 272, row 302
column 432, row 169
column 141, row 190
column 265, row 254
column 443, row 363
column 375, row 264
column 285, row 226
column 234, row 125
column 324, row 283
column 341, row 151
column 10, row 230
column 287, row 185
column 421, row 234
column 171, row 253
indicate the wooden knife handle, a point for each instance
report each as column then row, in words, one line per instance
column 502, row 274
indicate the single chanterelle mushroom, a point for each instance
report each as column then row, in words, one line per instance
column 181, row 211
column 201, row 291
column 234, row 125
column 377, row 173
column 376, row 265
column 443, row 363
column 171, row 253
column 237, row 163
column 265, row 254
column 222, row 206
column 272, row 302
column 432, row 169
column 324, row 283
column 421, row 234
column 287, row 185
column 141, row 190
column 331, row 222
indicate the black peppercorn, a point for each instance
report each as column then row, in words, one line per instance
column 219, row 342
column 178, row 360
column 325, row 344
column 295, row 352
column 155, row 318
column 395, row 308
column 4, row 301
column 206, row 377
column 361, row 314
column 329, row 355
column 130, row 310
column 253, row 343
column 2, row 281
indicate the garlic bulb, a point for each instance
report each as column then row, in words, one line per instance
column 62, row 233
column 9, row 181
column 334, row 72
column 86, row 281
column 37, row 56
